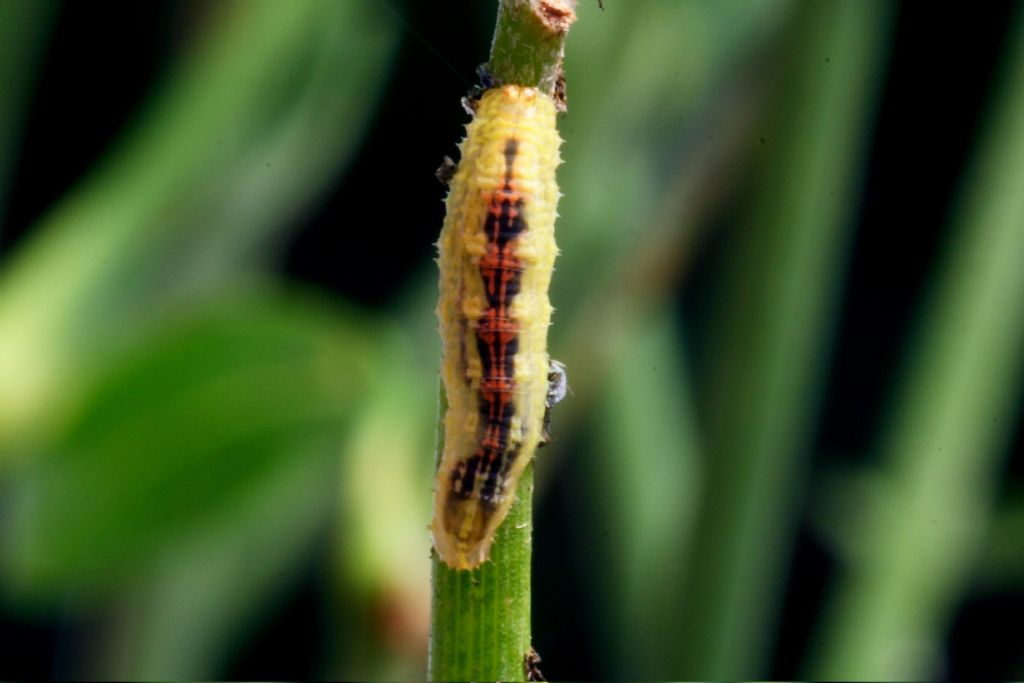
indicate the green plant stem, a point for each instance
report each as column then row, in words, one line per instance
column 953, row 418
column 776, row 315
column 484, row 614
column 480, row 619
column 527, row 47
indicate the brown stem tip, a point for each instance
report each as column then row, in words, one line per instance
column 556, row 15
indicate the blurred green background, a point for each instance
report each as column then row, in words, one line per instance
column 789, row 301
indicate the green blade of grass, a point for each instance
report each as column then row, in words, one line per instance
column 772, row 337
column 173, row 432
column 645, row 463
column 943, row 447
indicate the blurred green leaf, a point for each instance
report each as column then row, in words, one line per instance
column 191, row 419
column 187, row 616
column 391, row 443
column 629, row 113
column 382, row 545
column 242, row 135
column 627, row 246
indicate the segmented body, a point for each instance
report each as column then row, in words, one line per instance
column 497, row 251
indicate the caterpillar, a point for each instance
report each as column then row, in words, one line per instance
column 496, row 254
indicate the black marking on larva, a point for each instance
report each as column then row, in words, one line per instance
column 497, row 413
column 497, row 341
column 507, row 223
column 492, row 492
column 511, row 149
column 487, row 464
column 497, row 358
column 464, row 475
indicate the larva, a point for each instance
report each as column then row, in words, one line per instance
column 497, row 250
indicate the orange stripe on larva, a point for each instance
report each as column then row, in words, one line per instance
column 497, row 251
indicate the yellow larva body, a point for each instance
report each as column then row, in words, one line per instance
column 497, row 251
